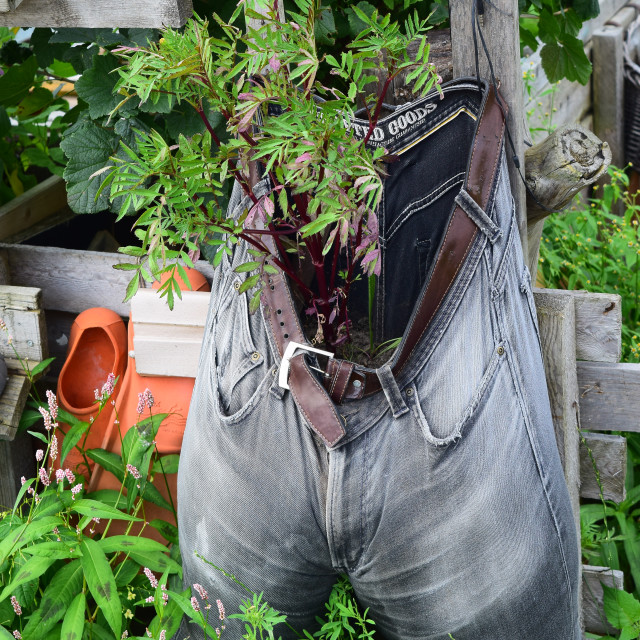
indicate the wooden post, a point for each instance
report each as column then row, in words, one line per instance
column 502, row 35
column 608, row 82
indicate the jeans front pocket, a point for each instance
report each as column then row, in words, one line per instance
column 242, row 358
column 439, row 429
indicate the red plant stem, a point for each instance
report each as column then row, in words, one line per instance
column 207, row 124
column 334, row 263
column 376, row 113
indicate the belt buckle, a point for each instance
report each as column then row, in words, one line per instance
column 289, row 353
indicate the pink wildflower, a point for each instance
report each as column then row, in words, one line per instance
column 217, row 632
column 194, row 604
column 3, row 326
column 70, row 477
column 152, row 579
column 202, row 592
column 149, row 599
column 48, row 423
column 53, row 405
column 140, row 407
column 60, row 475
column 165, row 595
column 22, row 480
column 133, row 471
column 16, row 606
column 44, row 478
column 148, row 398
column 39, row 455
column 163, row 635
column 53, row 450
column 220, row 609
column 17, row 635
column 76, row 490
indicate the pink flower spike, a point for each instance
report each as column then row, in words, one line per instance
column 140, row 407
column 22, row 480
column 163, row 635
column 194, row 604
column 60, row 476
column 70, row 477
column 17, row 635
column 53, row 449
column 152, row 579
column 133, row 471
column 16, row 606
column 44, row 478
column 75, row 491
column 39, row 455
column 48, row 423
column 148, row 398
column 53, row 405
column 202, row 592
column 220, row 609
column 274, row 63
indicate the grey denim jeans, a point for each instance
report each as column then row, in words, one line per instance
column 445, row 503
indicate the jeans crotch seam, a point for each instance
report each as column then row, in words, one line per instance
column 332, row 492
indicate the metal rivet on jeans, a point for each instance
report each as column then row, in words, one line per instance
column 236, row 285
column 357, row 384
column 274, row 371
column 409, row 391
column 255, row 356
column 500, row 350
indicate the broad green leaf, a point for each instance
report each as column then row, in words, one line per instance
column 109, row 461
column 72, row 438
column 125, row 572
column 62, row 589
column 168, row 531
column 41, row 366
column 586, row 9
column 17, row 81
column 26, row 533
column 95, row 509
column 621, row 608
column 73, row 623
column 127, row 543
column 57, row 550
column 88, row 148
column 102, row 584
column 35, row 101
column 166, row 464
column 566, row 59
column 325, row 26
column 155, row 560
column 30, row 570
column 152, row 494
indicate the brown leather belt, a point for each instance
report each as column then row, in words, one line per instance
column 345, row 380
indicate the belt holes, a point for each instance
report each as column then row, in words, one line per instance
column 272, row 287
column 282, row 324
column 286, row 335
column 279, row 311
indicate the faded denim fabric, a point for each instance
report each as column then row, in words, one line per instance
column 445, row 503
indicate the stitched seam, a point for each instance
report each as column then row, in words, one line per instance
column 326, row 400
column 418, row 205
column 334, row 379
column 346, row 384
column 441, row 300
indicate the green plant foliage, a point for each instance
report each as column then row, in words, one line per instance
column 592, row 248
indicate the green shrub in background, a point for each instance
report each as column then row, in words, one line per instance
column 594, row 249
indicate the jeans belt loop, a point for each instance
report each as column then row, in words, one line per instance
column 392, row 391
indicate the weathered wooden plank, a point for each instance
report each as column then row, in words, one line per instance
column 92, row 13
column 16, row 460
column 610, row 459
column 19, row 308
column 592, row 609
column 598, row 323
column 9, row 5
column 72, row 280
column 20, row 298
column 167, row 342
column 608, row 83
column 556, row 319
column 32, row 207
column 609, row 396
column 12, row 403
column 502, row 35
